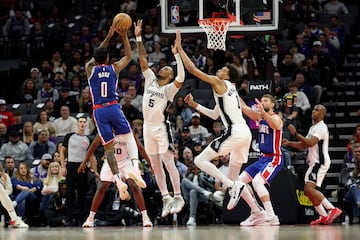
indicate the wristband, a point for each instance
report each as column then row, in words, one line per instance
column 138, row 39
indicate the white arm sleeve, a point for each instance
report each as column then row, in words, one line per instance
column 212, row 113
column 180, row 69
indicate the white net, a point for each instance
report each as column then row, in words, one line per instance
column 215, row 29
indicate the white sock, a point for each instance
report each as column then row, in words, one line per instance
column 321, row 210
column 327, row 204
column 92, row 215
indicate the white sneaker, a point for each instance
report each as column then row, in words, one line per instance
column 191, row 222
column 137, row 179
column 177, row 205
column 89, row 223
column 235, row 194
column 272, row 220
column 122, row 187
column 255, row 219
column 14, row 203
column 18, row 223
column 167, row 204
column 146, row 222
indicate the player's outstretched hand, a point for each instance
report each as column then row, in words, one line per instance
column 138, row 28
column 178, row 39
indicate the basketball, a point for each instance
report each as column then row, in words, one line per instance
column 122, row 19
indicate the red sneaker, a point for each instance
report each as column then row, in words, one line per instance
column 320, row 220
column 333, row 214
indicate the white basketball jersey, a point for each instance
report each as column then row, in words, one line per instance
column 319, row 153
column 229, row 106
column 156, row 97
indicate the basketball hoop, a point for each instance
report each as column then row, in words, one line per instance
column 215, row 29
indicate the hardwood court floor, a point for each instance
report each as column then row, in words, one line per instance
column 212, row 232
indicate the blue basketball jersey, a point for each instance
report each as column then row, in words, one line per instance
column 103, row 83
column 269, row 139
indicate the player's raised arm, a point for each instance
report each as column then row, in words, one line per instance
column 179, row 79
column 125, row 60
column 104, row 44
column 142, row 52
column 189, row 65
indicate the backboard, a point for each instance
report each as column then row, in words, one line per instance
column 246, row 15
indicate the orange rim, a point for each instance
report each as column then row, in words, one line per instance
column 210, row 21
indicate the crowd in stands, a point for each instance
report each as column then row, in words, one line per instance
column 58, row 90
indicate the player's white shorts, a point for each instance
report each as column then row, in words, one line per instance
column 238, row 144
column 316, row 173
column 124, row 166
column 155, row 138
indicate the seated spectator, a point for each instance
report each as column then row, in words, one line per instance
column 197, row 148
column 184, row 140
column 196, row 186
column 135, row 78
column 47, row 92
column 18, row 125
column 49, row 109
column 298, row 57
column 219, row 194
column 6, row 206
column 59, row 82
column 26, row 188
column 56, row 156
column 182, row 168
column 181, row 109
column 197, row 131
column 352, row 193
column 50, row 185
column 304, row 87
column 37, row 149
column 6, row 117
column 66, row 100
column 355, row 156
column 211, row 66
column 28, row 133
column 217, row 130
column 65, row 123
column 85, row 103
column 278, row 87
column 137, row 126
column 123, row 85
column 14, row 148
column 75, row 87
column 156, row 55
column 355, row 138
column 41, row 170
column 287, row 67
column 28, row 92
column 36, row 78
column 130, row 112
column 136, row 99
column 288, row 112
column 42, row 122
column 302, row 103
column 9, row 166
column 3, row 134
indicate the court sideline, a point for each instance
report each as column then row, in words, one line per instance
column 214, row 232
